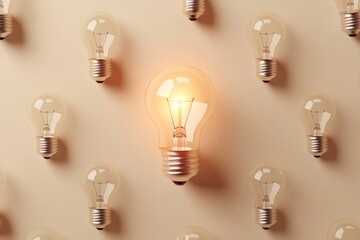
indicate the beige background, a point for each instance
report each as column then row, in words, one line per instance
column 252, row 123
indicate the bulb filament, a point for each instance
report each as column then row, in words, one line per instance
column 100, row 193
column 265, row 192
column 316, row 117
column 46, row 119
column 266, row 39
column 100, row 42
column 350, row 6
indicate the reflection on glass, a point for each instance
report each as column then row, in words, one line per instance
column 193, row 233
column 344, row 229
column 42, row 234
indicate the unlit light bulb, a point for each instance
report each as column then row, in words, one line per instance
column 266, row 32
column 180, row 100
column 266, row 184
column 350, row 16
column 42, row 234
column 6, row 22
column 98, row 35
column 316, row 113
column 99, row 185
column 193, row 233
column 344, row 229
column 193, row 9
column 46, row 113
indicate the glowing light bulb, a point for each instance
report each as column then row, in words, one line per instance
column 344, row 229
column 99, row 185
column 350, row 16
column 266, row 184
column 193, row 233
column 180, row 100
column 266, row 32
column 316, row 113
column 98, row 35
column 193, row 9
column 6, row 22
column 42, row 234
column 46, row 113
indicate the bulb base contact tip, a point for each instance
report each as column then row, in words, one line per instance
column 180, row 165
column 266, row 217
column 46, row 146
column 100, row 217
column 266, row 69
column 317, row 145
column 100, row 69
column 6, row 25
column 350, row 23
column 193, row 9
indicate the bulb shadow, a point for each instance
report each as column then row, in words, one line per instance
column 17, row 36
column 116, row 81
column 280, row 225
column 115, row 226
column 281, row 78
column 331, row 156
column 209, row 17
column 61, row 157
column 5, row 226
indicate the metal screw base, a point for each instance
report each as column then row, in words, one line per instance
column 193, row 9
column 100, row 69
column 6, row 25
column 350, row 23
column 317, row 145
column 100, row 217
column 266, row 69
column 46, row 146
column 266, row 217
column 180, row 165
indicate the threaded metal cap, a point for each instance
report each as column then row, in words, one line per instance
column 266, row 69
column 193, row 9
column 6, row 25
column 180, row 165
column 350, row 23
column 266, row 217
column 100, row 69
column 317, row 145
column 46, row 146
column 100, row 217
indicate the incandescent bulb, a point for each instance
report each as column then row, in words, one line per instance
column 6, row 23
column 350, row 16
column 193, row 9
column 193, row 233
column 98, row 35
column 344, row 229
column 266, row 32
column 266, row 184
column 180, row 100
column 99, row 185
column 316, row 113
column 42, row 234
column 46, row 113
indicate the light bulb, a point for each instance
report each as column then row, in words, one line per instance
column 99, row 185
column 98, row 35
column 344, row 229
column 46, row 113
column 350, row 16
column 266, row 32
column 193, row 9
column 42, row 234
column 193, row 233
column 266, row 184
column 316, row 113
column 6, row 22
column 180, row 100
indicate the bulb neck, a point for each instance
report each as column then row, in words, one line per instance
column 100, row 69
column 100, row 217
column 266, row 217
column 266, row 69
column 193, row 9
column 180, row 165
column 6, row 25
column 317, row 145
column 46, row 146
column 350, row 23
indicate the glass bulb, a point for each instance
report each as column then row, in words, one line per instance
column 266, row 184
column 350, row 16
column 42, row 234
column 180, row 100
column 344, row 229
column 98, row 35
column 6, row 23
column 193, row 233
column 46, row 113
column 316, row 113
column 193, row 9
column 99, row 185
column 266, row 32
